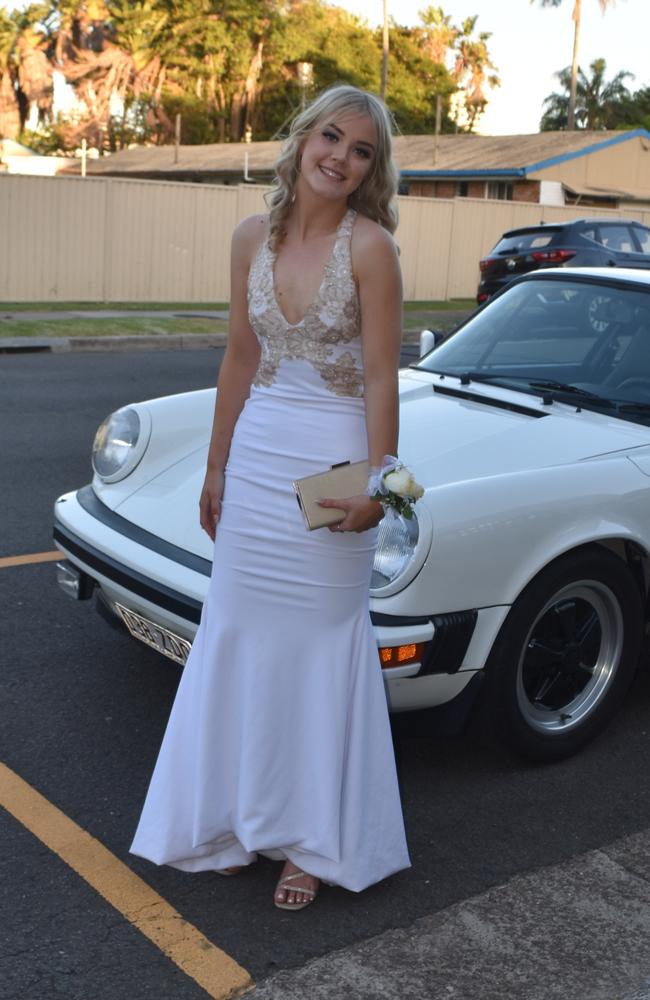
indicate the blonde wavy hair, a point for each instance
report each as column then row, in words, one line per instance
column 375, row 196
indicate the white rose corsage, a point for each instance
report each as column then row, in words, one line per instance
column 394, row 486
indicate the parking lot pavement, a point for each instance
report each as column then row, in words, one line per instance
column 527, row 881
column 574, row 931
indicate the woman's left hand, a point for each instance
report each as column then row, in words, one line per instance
column 361, row 513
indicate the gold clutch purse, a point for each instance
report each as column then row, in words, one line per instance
column 348, row 479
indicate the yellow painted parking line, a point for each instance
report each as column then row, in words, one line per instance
column 219, row 975
column 35, row 557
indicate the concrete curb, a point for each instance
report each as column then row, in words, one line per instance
column 137, row 342
column 579, row 930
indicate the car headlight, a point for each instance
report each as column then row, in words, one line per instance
column 120, row 443
column 396, row 545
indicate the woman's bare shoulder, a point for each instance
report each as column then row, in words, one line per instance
column 248, row 234
column 371, row 244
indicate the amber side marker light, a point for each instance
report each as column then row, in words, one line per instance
column 401, row 656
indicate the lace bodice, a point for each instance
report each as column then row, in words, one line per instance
column 327, row 337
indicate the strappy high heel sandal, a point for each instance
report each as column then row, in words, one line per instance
column 282, row 884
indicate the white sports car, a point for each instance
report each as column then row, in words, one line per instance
column 523, row 579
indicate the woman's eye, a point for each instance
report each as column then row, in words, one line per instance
column 362, row 151
column 330, row 135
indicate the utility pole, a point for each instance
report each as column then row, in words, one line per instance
column 437, row 131
column 570, row 123
column 384, row 54
column 177, row 137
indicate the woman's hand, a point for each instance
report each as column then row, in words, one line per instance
column 210, row 502
column 361, row 513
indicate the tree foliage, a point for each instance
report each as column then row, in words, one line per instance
column 600, row 103
column 117, row 72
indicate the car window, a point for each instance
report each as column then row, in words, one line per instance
column 643, row 236
column 617, row 238
column 589, row 334
column 520, row 242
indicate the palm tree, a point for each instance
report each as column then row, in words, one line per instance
column 9, row 109
column 25, row 69
column 473, row 69
column 577, row 11
column 598, row 102
column 471, row 66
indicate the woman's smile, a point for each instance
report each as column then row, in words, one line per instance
column 330, row 172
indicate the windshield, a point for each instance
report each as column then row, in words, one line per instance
column 578, row 335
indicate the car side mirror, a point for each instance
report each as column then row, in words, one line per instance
column 430, row 339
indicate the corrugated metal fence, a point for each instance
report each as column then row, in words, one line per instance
column 115, row 240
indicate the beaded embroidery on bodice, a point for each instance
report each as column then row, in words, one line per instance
column 327, row 337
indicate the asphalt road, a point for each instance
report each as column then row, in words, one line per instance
column 83, row 712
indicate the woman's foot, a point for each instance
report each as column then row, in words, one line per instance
column 295, row 889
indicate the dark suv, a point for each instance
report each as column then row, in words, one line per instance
column 580, row 243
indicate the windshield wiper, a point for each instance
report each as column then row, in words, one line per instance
column 571, row 390
column 633, row 407
column 544, row 383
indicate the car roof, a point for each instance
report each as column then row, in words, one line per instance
column 564, row 223
column 623, row 275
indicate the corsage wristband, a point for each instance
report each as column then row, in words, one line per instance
column 394, row 487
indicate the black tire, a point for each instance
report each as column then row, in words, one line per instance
column 565, row 656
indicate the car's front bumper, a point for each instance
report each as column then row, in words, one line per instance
column 135, row 568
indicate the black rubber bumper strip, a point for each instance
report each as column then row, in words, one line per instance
column 87, row 498
column 137, row 583
column 131, row 580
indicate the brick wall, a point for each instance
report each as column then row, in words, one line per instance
column 526, row 191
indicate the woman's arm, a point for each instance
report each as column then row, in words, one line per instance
column 380, row 293
column 237, row 370
column 379, row 280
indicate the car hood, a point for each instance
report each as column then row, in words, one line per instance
column 446, row 438
column 443, row 439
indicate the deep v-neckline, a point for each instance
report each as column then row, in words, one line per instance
column 328, row 262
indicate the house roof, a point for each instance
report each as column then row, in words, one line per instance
column 499, row 155
column 616, row 191
column 460, row 155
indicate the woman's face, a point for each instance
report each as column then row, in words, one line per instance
column 338, row 154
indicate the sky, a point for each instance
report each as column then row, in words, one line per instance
column 530, row 43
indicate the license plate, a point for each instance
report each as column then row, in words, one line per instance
column 156, row 636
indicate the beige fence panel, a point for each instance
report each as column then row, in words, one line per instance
column 114, row 239
column 52, row 245
column 423, row 239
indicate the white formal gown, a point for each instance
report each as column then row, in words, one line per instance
column 279, row 741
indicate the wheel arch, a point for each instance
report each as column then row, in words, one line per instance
column 497, row 700
column 634, row 555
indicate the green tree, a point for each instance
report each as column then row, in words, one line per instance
column 467, row 56
column 573, row 71
column 634, row 110
column 338, row 47
column 415, row 82
column 598, row 104
column 9, row 107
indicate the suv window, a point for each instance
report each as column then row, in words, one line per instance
column 643, row 236
column 518, row 242
column 617, row 238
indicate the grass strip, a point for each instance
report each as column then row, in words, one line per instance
column 113, row 306
column 15, row 307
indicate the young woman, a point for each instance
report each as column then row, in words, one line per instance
column 279, row 740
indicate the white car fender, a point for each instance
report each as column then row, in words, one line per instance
column 176, row 422
column 493, row 536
